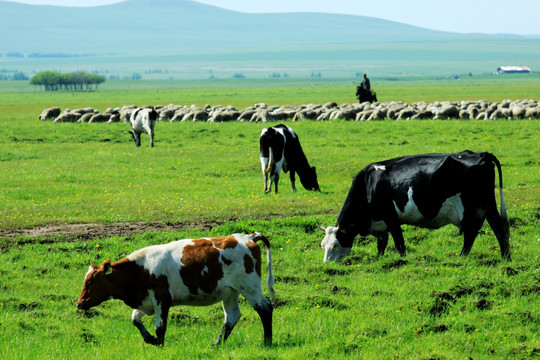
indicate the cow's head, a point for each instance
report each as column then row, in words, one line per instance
column 96, row 288
column 310, row 182
column 334, row 250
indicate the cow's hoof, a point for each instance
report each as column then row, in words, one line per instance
column 152, row 340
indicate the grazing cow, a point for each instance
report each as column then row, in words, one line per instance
column 281, row 149
column 186, row 272
column 428, row 191
column 143, row 120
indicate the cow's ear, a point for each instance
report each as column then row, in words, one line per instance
column 107, row 266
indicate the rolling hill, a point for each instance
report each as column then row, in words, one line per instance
column 169, row 26
column 179, row 39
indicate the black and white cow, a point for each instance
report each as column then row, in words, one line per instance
column 429, row 191
column 143, row 120
column 281, row 149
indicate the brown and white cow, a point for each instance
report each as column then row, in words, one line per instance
column 186, row 272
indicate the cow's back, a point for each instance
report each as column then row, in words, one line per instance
column 426, row 181
column 443, row 174
column 199, row 270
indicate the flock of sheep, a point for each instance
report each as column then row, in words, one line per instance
column 392, row 110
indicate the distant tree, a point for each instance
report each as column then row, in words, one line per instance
column 77, row 81
column 136, row 76
column 50, row 80
column 18, row 75
column 6, row 74
column 239, row 76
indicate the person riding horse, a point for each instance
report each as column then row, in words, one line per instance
column 363, row 91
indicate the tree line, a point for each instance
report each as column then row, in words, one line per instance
column 76, row 81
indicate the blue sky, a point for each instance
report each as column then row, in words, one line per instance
column 464, row 16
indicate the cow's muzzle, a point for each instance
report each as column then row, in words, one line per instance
column 82, row 306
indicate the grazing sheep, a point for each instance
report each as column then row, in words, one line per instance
column 226, row 115
column 49, row 113
column 247, row 115
column 126, row 111
column 99, row 118
column 68, row 116
column 447, row 111
column 85, row 118
column 261, row 112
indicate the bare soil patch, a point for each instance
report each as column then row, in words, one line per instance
column 89, row 231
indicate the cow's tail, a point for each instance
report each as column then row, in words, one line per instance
column 270, row 161
column 266, row 153
column 504, row 214
column 270, row 279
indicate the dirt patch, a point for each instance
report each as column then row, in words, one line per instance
column 89, row 231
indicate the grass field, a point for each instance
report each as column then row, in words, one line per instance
column 432, row 304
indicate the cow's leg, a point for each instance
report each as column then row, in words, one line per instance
column 161, row 311
column 231, row 309
column 395, row 229
column 150, row 131
column 138, row 139
column 293, row 180
column 263, row 307
column 276, row 181
column 136, row 317
column 500, row 228
column 275, row 173
column 469, row 235
column 265, row 313
column 471, row 224
column 382, row 242
column 132, row 133
column 151, row 134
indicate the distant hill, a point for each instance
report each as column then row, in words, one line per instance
column 170, row 26
column 181, row 39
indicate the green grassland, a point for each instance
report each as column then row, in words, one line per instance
column 432, row 304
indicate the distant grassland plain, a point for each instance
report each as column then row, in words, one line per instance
column 246, row 92
column 430, row 305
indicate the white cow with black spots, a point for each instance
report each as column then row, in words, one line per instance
column 143, row 120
